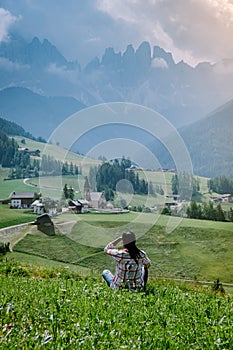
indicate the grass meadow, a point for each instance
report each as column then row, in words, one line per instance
column 11, row 217
column 7, row 187
column 59, row 153
column 193, row 249
column 65, row 311
column 52, row 295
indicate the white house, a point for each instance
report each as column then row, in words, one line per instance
column 225, row 198
column 21, row 199
column 38, row 207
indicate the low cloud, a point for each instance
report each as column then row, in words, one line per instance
column 224, row 67
column 10, row 66
column 6, row 21
column 192, row 30
column 63, row 73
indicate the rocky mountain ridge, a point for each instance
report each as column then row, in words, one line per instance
column 146, row 76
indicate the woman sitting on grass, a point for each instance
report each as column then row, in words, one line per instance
column 132, row 264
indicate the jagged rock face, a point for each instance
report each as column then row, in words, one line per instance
column 35, row 54
column 145, row 76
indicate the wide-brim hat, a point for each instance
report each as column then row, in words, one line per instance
column 128, row 237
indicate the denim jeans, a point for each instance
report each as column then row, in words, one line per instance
column 108, row 277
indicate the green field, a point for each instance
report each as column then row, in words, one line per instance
column 7, row 187
column 49, row 186
column 71, row 312
column 84, row 163
column 193, row 249
column 179, row 248
column 52, row 295
column 59, row 153
column 10, row 217
column 52, row 186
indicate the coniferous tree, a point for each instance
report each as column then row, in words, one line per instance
column 108, row 193
column 220, row 185
column 175, row 184
column 230, row 215
column 75, row 170
column 151, row 189
column 65, row 191
column 65, row 169
column 194, row 211
column 220, row 216
column 71, row 168
column 110, row 173
column 92, row 178
column 70, row 193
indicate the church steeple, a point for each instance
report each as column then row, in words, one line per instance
column 87, row 195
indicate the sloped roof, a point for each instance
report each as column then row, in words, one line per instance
column 75, row 203
column 37, row 203
column 83, row 201
column 22, row 195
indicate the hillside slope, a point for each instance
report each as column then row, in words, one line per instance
column 210, row 143
column 64, row 312
column 38, row 114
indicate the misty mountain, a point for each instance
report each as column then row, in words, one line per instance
column 34, row 54
column 146, row 76
column 38, row 114
column 210, row 142
column 150, row 77
column 40, row 88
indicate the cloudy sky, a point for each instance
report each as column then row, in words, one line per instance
column 193, row 30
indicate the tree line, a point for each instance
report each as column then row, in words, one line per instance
column 11, row 128
column 8, row 151
column 47, row 166
column 207, row 211
column 220, row 184
column 22, row 165
column 185, row 185
column 108, row 174
column 50, row 167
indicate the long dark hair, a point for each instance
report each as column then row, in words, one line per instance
column 129, row 242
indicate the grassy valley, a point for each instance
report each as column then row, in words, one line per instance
column 52, row 294
column 179, row 248
column 194, row 249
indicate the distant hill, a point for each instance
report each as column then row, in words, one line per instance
column 210, row 142
column 38, row 114
column 12, row 129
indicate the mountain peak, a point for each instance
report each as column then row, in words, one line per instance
column 129, row 50
column 35, row 41
column 158, row 52
column 42, row 54
column 111, row 59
